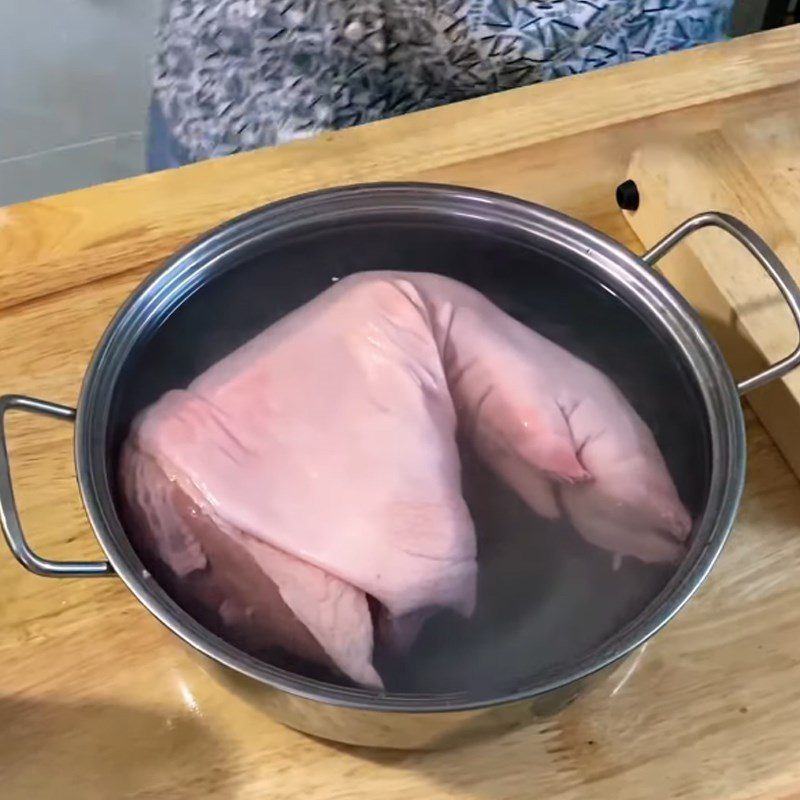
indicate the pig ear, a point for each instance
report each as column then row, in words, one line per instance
column 335, row 613
column 153, row 499
column 401, row 632
column 535, row 489
column 546, row 443
column 610, row 523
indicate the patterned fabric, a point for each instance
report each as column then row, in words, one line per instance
column 237, row 74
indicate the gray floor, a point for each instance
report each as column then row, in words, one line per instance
column 73, row 93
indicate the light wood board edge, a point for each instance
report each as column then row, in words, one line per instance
column 739, row 304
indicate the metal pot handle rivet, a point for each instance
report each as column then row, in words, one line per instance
column 765, row 256
column 9, row 518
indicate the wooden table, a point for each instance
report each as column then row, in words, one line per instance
column 98, row 701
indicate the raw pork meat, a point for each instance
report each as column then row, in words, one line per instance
column 317, row 465
column 553, row 426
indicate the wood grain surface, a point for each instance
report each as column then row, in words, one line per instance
column 98, row 701
column 751, row 170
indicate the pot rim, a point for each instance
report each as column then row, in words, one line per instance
column 188, row 268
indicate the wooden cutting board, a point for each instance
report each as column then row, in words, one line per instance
column 752, row 171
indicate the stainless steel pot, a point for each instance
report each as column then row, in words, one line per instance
column 388, row 221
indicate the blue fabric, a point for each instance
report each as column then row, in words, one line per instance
column 234, row 75
column 163, row 151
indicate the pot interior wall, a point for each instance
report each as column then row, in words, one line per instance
column 546, row 598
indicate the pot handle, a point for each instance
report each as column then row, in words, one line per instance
column 9, row 518
column 765, row 256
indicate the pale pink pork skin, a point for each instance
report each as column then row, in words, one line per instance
column 317, row 465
